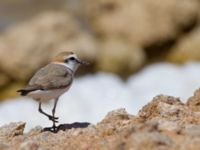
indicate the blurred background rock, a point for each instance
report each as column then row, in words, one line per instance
column 118, row 36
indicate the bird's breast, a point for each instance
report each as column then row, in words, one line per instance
column 46, row 95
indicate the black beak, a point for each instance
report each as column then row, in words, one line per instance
column 82, row 62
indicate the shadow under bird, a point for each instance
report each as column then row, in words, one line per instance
column 53, row 80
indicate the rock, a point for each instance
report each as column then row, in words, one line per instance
column 151, row 140
column 142, row 22
column 186, row 49
column 7, row 132
column 162, row 106
column 193, row 144
column 194, row 101
column 29, row 145
column 115, row 120
column 116, row 115
column 120, row 57
column 192, row 130
column 165, row 123
column 170, row 112
column 35, row 131
column 4, row 146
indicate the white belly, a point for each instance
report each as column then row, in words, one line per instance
column 46, row 95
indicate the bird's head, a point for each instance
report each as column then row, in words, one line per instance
column 69, row 59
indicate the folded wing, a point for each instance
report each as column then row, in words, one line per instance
column 52, row 76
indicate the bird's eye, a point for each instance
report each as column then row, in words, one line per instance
column 71, row 58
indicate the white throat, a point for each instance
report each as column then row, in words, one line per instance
column 72, row 66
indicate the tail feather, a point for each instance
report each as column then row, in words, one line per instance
column 26, row 90
column 23, row 92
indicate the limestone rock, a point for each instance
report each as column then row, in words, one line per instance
column 7, row 132
column 194, row 101
column 170, row 112
column 151, row 129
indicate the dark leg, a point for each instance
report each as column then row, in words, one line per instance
column 49, row 116
column 53, row 113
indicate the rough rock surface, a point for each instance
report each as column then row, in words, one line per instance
column 165, row 123
column 194, row 101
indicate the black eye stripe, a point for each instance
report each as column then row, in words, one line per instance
column 71, row 58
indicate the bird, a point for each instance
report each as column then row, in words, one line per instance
column 52, row 81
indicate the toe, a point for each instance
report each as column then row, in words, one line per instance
column 56, row 118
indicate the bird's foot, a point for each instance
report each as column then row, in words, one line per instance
column 53, row 129
column 54, row 119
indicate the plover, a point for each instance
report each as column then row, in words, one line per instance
column 53, row 80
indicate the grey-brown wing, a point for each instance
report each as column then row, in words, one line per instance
column 52, row 76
